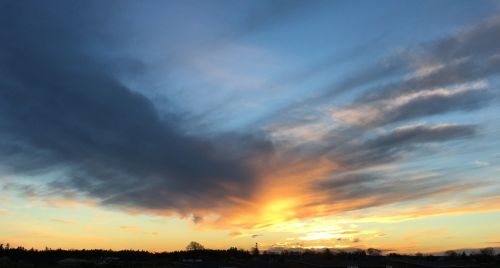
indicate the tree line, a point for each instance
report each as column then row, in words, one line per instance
column 195, row 250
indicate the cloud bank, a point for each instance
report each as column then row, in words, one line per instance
column 63, row 109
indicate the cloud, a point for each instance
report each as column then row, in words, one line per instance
column 388, row 147
column 456, row 206
column 69, row 122
column 464, row 97
column 197, row 219
column 482, row 163
column 450, row 74
column 63, row 221
column 4, row 211
column 63, row 110
column 368, row 190
column 417, row 134
column 469, row 55
column 130, row 228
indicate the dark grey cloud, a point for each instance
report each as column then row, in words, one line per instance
column 452, row 73
column 197, row 219
column 422, row 104
column 421, row 134
column 382, row 189
column 479, row 41
column 353, row 187
column 348, row 180
column 63, row 109
column 429, row 105
column 389, row 147
column 463, row 57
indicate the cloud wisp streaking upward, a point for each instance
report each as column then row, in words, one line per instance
column 73, row 127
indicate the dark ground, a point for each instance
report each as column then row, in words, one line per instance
column 235, row 258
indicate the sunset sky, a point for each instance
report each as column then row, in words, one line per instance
column 293, row 124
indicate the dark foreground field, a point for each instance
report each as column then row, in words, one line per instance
column 235, row 258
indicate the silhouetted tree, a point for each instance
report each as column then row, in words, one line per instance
column 327, row 253
column 359, row 253
column 487, row 252
column 374, row 252
column 451, row 253
column 193, row 245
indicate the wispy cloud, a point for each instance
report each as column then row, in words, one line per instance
column 482, row 163
column 464, row 97
column 61, row 221
column 4, row 211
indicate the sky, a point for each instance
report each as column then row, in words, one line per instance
column 292, row 124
